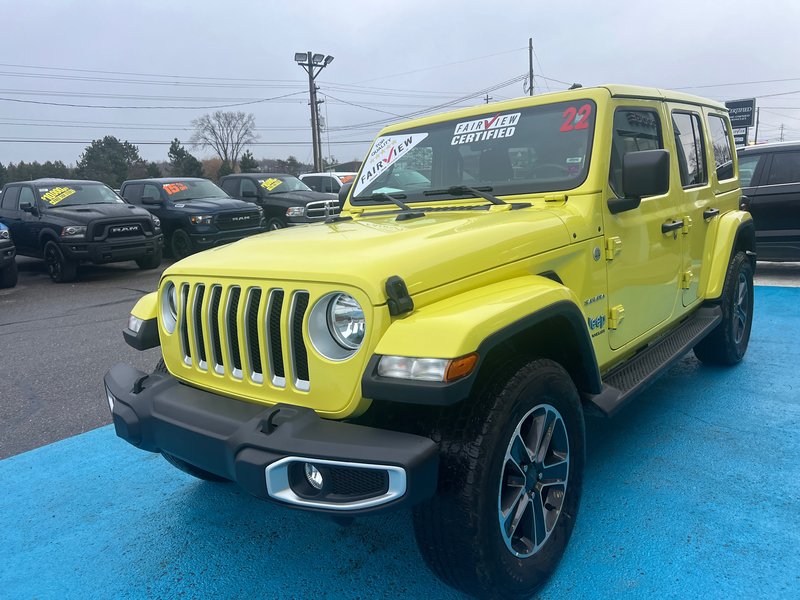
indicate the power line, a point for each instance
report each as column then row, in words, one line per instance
column 730, row 84
column 158, row 143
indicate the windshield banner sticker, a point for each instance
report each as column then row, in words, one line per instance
column 270, row 184
column 487, row 128
column 57, row 194
column 174, row 188
column 386, row 151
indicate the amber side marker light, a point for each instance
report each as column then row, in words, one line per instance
column 461, row 367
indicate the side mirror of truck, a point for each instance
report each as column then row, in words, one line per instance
column 249, row 194
column 344, row 191
column 151, row 200
column 644, row 173
column 28, row 208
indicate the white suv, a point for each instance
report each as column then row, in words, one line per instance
column 327, row 182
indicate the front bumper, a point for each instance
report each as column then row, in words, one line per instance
column 7, row 253
column 263, row 448
column 112, row 251
column 202, row 240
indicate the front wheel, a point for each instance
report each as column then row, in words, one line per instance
column 510, row 484
column 151, row 262
column 727, row 343
column 59, row 267
column 180, row 244
column 8, row 276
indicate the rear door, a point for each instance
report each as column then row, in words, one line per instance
column 12, row 216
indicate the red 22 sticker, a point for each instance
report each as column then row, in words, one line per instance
column 576, row 118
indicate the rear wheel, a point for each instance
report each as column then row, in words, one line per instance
column 180, row 244
column 181, row 464
column 509, row 484
column 8, row 276
column 59, row 267
column 727, row 344
column 151, row 262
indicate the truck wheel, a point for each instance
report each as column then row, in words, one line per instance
column 509, row 484
column 178, row 463
column 275, row 223
column 60, row 268
column 727, row 344
column 8, row 276
column 180, row 244
column 151, row 262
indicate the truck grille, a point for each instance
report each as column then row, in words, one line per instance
column 316, row 211
column 241, row 220
column 242, row 331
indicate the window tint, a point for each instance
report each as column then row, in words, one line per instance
column 785, row 168
column 312, row 182
column 10, row 198
column 721, row 145
column 231, row 186
column 747, row 168
column 151, row 191
column 133, row 193
column 248, row 185
column 691, row 150
column 634, row 130
column 26, row 195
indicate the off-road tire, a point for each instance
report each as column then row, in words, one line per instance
column 59, row 267
column 727, row 344
column 8, row 276
column 274, row 224
column 151, row 262
column 458, row 530
column 178, row 463
column 180, row 244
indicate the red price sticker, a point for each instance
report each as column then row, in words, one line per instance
column 174, row 188
column 576, row 118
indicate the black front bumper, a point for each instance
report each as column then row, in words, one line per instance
column 243, row 442
column 7, row 253
column 203, row 241
column 112, row 251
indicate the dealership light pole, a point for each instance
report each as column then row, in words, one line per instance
column 313, row 64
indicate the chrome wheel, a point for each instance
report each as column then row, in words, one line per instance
column 533, row 481
column 741, row 307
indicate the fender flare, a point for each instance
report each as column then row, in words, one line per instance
column 735, row 232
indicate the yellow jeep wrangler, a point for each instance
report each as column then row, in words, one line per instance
column 495, row 272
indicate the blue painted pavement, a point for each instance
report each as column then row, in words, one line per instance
column 693, row 491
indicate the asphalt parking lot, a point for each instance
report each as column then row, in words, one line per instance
column 693, row 491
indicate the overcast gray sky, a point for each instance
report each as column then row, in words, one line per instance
column 391, row 58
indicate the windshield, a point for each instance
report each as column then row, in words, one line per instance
column 181, row 191
column 535, row 149
column 73, row 194
column 277, row 184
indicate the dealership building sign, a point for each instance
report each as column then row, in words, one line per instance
column 742, row 114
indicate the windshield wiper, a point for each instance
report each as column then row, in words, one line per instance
column 408, row 212
column 463, row 190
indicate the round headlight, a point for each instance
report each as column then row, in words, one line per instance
column 169, row 306
column 346, row 321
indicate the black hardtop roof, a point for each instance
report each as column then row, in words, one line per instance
column 164, row 179
column 771, row 146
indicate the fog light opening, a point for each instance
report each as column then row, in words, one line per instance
column 314, row 476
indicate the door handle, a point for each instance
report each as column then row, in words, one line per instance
column 710, row 213
column 671, row 226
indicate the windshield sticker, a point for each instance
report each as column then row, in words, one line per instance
column 487, row 128
column 576, row 118
column 174, row 188
column 574, row 159
column 270, row 184
column 57, row 194
column 386, row 151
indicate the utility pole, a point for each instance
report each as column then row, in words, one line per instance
column 758, row 118
column 530, row 66
column 781, row 131
column 487, row 98
column 313, row 64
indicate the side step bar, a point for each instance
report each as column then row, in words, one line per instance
column 623, row 383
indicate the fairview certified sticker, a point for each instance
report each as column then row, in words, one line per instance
column 386, row 151
column 487, row 128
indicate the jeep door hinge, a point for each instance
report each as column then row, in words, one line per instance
column 686, row 280
column 687, row 224
column 613, row 247
column 615, row 316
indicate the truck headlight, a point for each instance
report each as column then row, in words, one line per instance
column 337, row 326
column 4, row 234
column 169, row 306
column 156, row 222
column 201, row 219
column 73, row 231
column 295, row 211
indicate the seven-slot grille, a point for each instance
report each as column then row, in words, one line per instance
column 322, row 209
column 238, row 220
column 244, row 332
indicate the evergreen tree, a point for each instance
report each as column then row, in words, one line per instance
column 110, row 161
column 248, row 163
column 181, row 162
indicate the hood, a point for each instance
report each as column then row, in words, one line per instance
column 212, row 205
column 426, row 252
column 88, row 212
column 300, row 197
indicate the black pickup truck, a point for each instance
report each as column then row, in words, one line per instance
column 285, row 199
column 8, row 266
column 70, row 221
column 195, row 214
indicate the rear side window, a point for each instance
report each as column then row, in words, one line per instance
column 785, row 168
column 312, row 182
column 747, row 168
column 691, row 150
column 10, row 198
column 231, row 186
column 721, row 146
column 133, row 193
column 634, row 130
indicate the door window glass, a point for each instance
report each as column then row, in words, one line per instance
column 721, row 145
column 634, row 130
column 690, row 147
column 26, row 195
column 785, row 168
column 151, row 191
column 747, row 168
column 10, row 198
column 248, row 185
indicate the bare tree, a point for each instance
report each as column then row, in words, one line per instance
column 227, row 133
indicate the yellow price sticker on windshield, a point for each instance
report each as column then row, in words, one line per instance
column 271, row 183
column 57, row 194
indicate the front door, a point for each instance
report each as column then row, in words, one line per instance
column 643, row 263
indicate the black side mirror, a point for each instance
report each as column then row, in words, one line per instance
column 644, row 173
column 27, row 207
column 151, row 200
column 249, row 194
column 344, row 191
